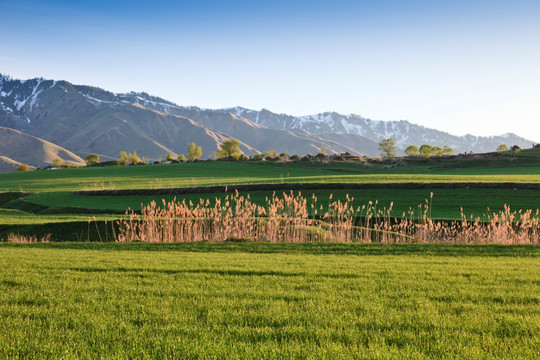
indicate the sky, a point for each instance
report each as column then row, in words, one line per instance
column 457, row 66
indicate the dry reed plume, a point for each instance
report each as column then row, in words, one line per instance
column 287, row 219
column 16, row 238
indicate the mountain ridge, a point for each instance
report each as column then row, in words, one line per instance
column 86, row 119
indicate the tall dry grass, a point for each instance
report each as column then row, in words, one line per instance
column 30, row 239
column 289, row 218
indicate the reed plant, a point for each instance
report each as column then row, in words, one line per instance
column 28, row 239
column 292, row 218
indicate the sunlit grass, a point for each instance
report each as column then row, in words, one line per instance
column 222, row 173
column 62, row 303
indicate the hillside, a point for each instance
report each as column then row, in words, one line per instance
column 7, row 164
column 87, row 119
column 17, row 147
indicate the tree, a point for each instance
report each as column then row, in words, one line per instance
column 502, row 148
column 133, row 158
column 23, row 167
column 194, row 152
column 426, row 150
column 388, row 147
column 447, row 150
column 437, row 151
column 181, row 157
column 92, row 159
column 412, row 150
column 230, row 149
column 58, row 161
column 123, row 158
column 169, row 156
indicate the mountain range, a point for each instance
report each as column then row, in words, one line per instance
column 81, row 120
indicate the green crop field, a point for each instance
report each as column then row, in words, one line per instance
column 269, row 301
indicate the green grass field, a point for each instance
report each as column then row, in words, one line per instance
column 269, row 301
column 446, row 202
column 52, row 199
column 265, row 300
column 223, row 173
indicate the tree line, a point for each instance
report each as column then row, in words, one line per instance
column 230, row 149
column 389, row 149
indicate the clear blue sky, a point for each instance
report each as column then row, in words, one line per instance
column 459, row 66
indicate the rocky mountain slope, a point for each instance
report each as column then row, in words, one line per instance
column 87, row 119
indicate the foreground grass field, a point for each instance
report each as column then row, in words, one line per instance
column 269, row 301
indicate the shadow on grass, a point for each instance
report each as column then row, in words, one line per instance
column 229, row 272
column 303, row 248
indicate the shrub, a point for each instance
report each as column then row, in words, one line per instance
column 294, row 157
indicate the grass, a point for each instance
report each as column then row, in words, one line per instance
column 52, row 199
column 230, row 301
column 446, row 202
column 287, row 219
column 223, row 173
column 23, row 218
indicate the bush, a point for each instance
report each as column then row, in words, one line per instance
column 23, row 167
column 259, row 156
